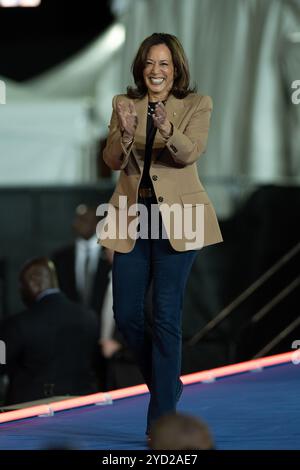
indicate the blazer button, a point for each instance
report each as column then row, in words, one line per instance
column 160, row 199
column 154, row 177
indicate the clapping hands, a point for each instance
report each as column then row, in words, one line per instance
column 161, row 120
column 128, row 119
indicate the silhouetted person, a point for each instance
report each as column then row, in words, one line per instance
column 84, row 270
column 83, row 267
column 84, row 275
column 52, row 346
column 180, row 432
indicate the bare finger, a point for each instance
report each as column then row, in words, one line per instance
column 161, row 105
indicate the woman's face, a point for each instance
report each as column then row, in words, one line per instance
column 159, row 72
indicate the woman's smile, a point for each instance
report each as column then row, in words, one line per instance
column 159, row 72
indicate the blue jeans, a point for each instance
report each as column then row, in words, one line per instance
column 158, row 357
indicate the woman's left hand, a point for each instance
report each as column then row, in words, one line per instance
column 161, row 120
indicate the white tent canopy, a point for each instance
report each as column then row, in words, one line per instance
column 239, row 52
column 49, row 125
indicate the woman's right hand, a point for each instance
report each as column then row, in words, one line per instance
column 127, row 118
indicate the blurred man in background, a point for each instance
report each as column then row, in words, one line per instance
column 52, row 347
column 84, row 270
column 83, row 266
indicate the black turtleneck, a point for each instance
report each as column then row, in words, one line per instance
column 150, row 135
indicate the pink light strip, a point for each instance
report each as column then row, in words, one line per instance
column 206, row 375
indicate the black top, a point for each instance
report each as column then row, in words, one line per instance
column 150, row 135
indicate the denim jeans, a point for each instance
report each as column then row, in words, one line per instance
column 158, row 357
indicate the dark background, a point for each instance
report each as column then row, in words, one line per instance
column 33, row 40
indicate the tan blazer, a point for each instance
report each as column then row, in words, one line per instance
column 173, row 172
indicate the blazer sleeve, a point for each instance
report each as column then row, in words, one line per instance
column 115, row 154
column 186, row 147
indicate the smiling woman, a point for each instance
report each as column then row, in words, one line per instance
column 161, row 56
column 158, row 130
column 159, row 72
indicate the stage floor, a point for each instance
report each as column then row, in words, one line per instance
column 253, row 410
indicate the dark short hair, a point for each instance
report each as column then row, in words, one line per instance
column 181, row 86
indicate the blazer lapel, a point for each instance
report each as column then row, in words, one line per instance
column 175, row 109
